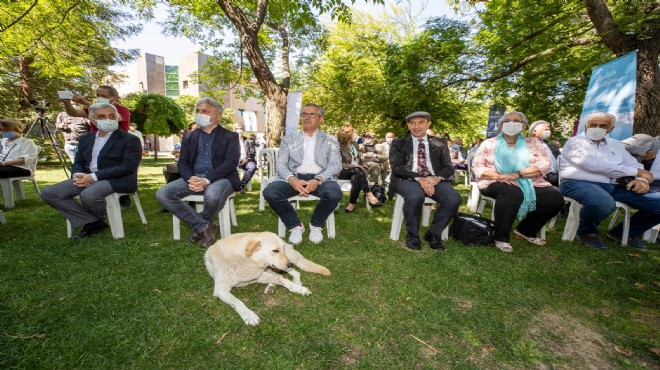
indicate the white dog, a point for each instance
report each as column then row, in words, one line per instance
column 242, row 259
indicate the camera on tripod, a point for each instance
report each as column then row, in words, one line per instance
column 39, row 106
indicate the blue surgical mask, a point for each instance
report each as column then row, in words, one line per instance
column 9, row 134
column 100, row 100
column 107, row 125
column 457, row 147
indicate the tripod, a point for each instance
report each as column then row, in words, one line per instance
column 42, row 122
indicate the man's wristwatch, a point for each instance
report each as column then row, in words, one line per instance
column 208, row 182
column 319, row 179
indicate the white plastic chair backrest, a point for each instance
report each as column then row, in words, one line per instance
column 270, row 160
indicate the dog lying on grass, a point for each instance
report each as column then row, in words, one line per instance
column 246, row 258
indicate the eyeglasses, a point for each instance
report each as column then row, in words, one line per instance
column 310, row 115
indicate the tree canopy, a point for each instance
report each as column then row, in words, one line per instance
column 53, row 45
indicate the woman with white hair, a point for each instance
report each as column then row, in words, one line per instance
column 18, row 156
column 540, row 130
column 510, row 169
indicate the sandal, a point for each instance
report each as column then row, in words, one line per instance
column 504, row 246
column 537, row 241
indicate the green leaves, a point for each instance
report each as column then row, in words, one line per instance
column 158, row 115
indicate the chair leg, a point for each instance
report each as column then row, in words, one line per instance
column 224, row 219
column 281, row 230
column 138, row 205
column 7, row 193
column 36, row 186
column 426, row 214
column 626, row 226
column 232, row 212
column 2, row 218
column 572, row 221
column 397, row 218
column 113, row 211
column 176, row 228
column 18, row 186
column 330, row 224
column 69, row 229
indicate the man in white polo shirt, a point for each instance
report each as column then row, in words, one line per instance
column 597, row 171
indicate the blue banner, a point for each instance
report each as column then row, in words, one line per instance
column 612, row 90
column 496, row 112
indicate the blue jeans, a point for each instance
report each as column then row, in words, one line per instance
column 278, row 193
column 598, row 201
column 250, row 167
column 215, row 197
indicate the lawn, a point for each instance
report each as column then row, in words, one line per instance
column 145, row 301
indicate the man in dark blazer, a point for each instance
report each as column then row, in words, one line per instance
column 207, row 164
column 106, row 162
column 421, row 167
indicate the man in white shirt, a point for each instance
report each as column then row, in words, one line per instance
column 307, row 164
column 597, row 171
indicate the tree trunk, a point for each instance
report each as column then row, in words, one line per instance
column 276, row 108
column 25, row 74
column 156, row 147
column 647, row 95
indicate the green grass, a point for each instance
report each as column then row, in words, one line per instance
column 145, row 301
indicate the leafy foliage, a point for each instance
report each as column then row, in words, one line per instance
column 53, row 45
column 158, row 114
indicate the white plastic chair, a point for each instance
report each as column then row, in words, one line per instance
column 573, row 220
column 465, row 174
column 482, row 206
column 329, row 223
column 397, row 217
column 226, row 215
column 651, row 235
column 113, row 211
column 346, row 186
column 17, row 182
column 268, row 161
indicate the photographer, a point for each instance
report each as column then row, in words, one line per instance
column 597, row 171
column 72, row 129
column 104, row 94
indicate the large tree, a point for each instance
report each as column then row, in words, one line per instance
column 50, row 45
column 258, row 25
column 538, row 56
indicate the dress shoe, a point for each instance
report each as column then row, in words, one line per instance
column 208, row 236
column 434, row 241
column 413, row 242
column 125, row 201
column 91, row 229
column 195, row 236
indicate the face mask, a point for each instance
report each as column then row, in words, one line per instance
column 546, row 134
column 239, row 132
column 512, row 128
column 596, row 133
column 202, row 120
column 107, row 125
column 389, row 140
column 8, row 134
column 100, row 100
column 457, row 147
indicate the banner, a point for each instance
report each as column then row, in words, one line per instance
column 612, row 90
column 496, row 112
column 250, row 120
column 293, row 107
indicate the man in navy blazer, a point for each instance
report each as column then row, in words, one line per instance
column 106, row 162
column 423, row 172
column 207, row 164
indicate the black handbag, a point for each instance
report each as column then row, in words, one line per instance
column 472, row 229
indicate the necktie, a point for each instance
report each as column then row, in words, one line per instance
column 422, row 169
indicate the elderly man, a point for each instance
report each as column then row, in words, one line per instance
column 540, row 130
column 597, row 171
column 106, row 163
column 421, row 167
column 307, row 164
column 207, row 164
column 645, row 148
column 248, row 155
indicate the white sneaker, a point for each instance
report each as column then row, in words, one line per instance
column 315, row 234
column 296, row 234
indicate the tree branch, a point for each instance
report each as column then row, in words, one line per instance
column 3, row 29
column 286, row 49
column 618, row 42
column 48, row 31
column 532, row 35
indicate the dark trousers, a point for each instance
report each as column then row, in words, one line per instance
column 250, row 168
column 508, row 198
column 359, row 182
column 13, row 171
column 445, row 195
column 277, row 194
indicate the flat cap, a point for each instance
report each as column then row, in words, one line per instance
column 418, row 114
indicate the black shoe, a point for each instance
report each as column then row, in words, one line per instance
column 91, row 229
column 163, row 210
column 413, row 242
column 434, row 241
column 593, row 241
column 125, row 201
column 208, row 235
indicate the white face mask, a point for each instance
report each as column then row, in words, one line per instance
column 389, row 140
column 546, row 134
column 107, row 125
column 512, row 128
column 239, row 132
column 202, row 120
column 596, row 133
column 100, row 100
